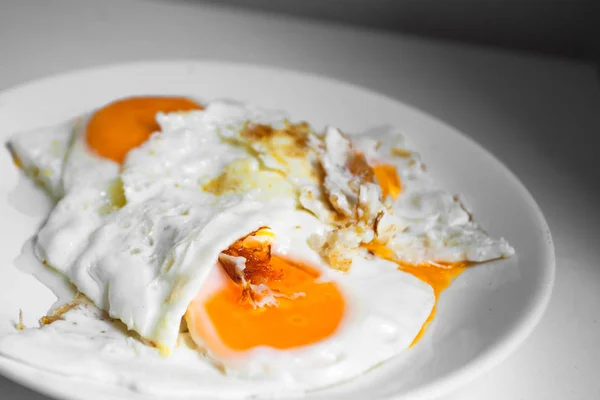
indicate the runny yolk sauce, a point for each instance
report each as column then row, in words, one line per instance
column 125, row 124
column 437, row 275
column 308, row 311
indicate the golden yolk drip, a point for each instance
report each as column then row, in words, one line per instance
column 439, row 278
column 388, row 179
column 437, row 275
column 125, row 124
column 310, row 312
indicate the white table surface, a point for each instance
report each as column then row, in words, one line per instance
column 538, row 115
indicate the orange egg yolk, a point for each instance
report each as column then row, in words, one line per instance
column 388, row 179
column 310, row 311
column 438, row 275
column 125, row 124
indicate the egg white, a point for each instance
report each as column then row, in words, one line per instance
column 82, row 166
column 186, row 153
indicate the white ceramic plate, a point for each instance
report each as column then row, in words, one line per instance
column 484, row 315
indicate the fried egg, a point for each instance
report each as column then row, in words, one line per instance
column 89, row 149
column 439, row 227
column 286, row 255
column 412, row 217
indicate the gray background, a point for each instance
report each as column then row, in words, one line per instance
column 569, row 28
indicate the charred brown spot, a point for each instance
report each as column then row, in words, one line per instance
column 401, row 152
column 358, row 166
column 377, row 220
column 257, row 131
column 299, row 132
column 57, row 314
column 15, row 158
column 294, row 135
column 258, row 261
column 20, row 326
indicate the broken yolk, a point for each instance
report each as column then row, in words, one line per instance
column 437, row 275
column 306, row 311
column 388, row 180
column 125, row 124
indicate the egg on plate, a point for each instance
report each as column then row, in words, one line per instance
column 285, row 255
